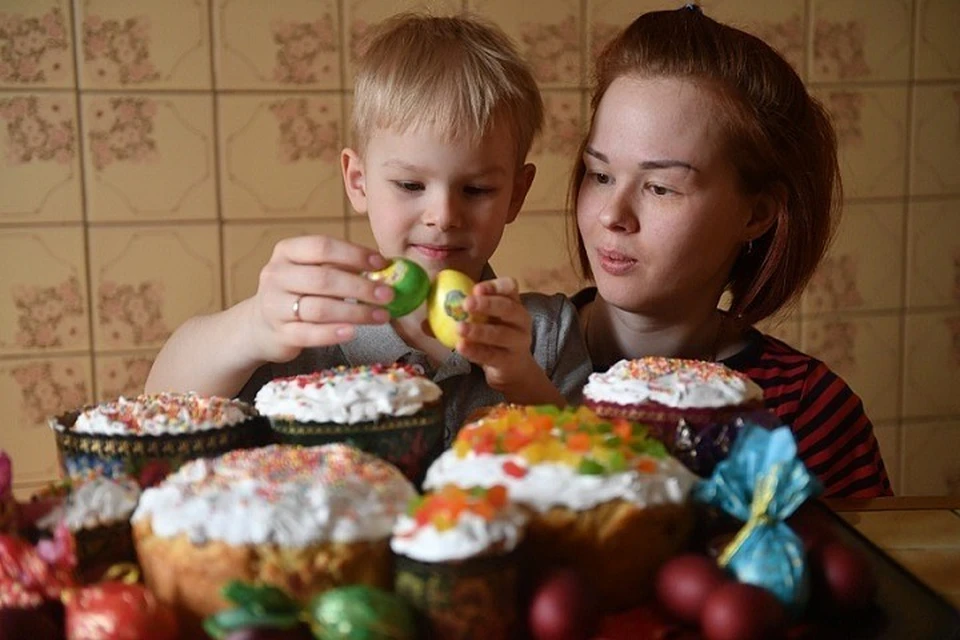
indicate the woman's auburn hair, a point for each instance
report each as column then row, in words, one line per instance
column 779, row 138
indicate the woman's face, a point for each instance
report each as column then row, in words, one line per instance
column 660, row 209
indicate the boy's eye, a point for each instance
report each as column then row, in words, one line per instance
column 471, row 190
column 408, row 185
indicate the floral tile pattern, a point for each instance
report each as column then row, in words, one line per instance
column 871, row 129
column 931, row 366
column 271, row 45
column 546, row 33
column 147, row 281
column 534, row 251
column 779, row 24
column 864, row 351
column 554, row 150
column 32, row 391
column 149, row 157
column 938, row 48
column 40, row 180
column 930, row 462
column 248, row 247
column 43, row 298
column 122, row 375
column 35, row 44
column 852, row 44
column 148, row 45
column 933, row 253
column 280, row 156
column 935, row 169
column 863, row 269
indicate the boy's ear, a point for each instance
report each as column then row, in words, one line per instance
column 354, row 179
column 521, row 186
column 766, row 209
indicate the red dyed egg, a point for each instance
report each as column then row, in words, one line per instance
column 738, row 611
column 812, row 530
column 118, row 611
column 562, row 608
column 685, row 582
column 842, row 577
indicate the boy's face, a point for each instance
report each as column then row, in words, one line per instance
column 443, row 204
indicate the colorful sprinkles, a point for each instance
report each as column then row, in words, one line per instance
column 343, row 374
column 162, row 413
column 653, row 368
column 575, row 437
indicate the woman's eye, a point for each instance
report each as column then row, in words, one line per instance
column 600, row 178
column 407, row 185
column 659, row 190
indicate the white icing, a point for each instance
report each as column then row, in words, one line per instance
column 99, row 501
column 332, row 493
column 346, row 396
column 681, row 384
column 159, row 414
column 469, row 537
column 547, row 484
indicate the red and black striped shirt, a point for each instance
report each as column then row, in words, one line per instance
column 835, row 438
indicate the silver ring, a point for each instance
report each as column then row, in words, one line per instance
column 296, row 308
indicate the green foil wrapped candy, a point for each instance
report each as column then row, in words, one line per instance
column 360, row 612
column 410, row 283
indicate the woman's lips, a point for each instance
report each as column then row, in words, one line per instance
column 615, row 263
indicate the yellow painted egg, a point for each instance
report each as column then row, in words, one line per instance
column 445, row 305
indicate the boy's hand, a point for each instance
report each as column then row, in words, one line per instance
column 501, row 345
column 312, row 294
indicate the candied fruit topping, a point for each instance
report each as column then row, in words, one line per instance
column 576, row 437
column 443, row 508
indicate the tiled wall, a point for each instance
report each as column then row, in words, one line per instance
column 153, row 151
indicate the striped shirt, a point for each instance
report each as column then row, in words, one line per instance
column 835, row 438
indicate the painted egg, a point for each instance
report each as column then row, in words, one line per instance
column 739, row 611
column 685, row 582
column 445, row 309
column 410, row 284
column 118, row 611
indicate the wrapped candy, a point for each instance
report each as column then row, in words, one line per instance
column 700, row 448
column 762, row 483
column 359, row 612
column 260, row 607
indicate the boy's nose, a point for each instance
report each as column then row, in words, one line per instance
column 442, row 212
column 618, row 215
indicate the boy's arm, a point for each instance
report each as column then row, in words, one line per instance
column 211, row 355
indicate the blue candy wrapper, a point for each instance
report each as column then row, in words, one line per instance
column 762, row 482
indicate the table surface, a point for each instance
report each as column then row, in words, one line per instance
column 921, row 533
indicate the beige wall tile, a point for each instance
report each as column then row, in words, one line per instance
column 547, row 32
column 888, row 437
column 931, row 369
column 779, row 24
column 294, row 44
column 936, row 140
column 122, row 375
column 851, row 42
column 40, row 180
column 280, row 156
column 864, row 351
column 248, row 247
column 554, row 151
column 359, row 232
column 148, row 280
column 534, row 251
column 144, row 45
column 31, row 391
column 871, row 128
column 863, row 269
column 43, row 295
column 149, row 157
column 930, row 462
column 787, row 329
column 36, row 44
column 938, row 48
column 360, row 15
column 933, row 254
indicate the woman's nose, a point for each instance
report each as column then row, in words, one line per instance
column 618, row 215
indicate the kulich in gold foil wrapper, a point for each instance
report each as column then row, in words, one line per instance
column 474, row 598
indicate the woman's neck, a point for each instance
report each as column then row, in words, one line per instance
column 613, row 334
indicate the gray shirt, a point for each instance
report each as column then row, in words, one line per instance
column 557, row 346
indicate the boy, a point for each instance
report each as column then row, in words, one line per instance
column 445, row 113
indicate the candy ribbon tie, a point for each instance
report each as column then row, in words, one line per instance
column 764, row 492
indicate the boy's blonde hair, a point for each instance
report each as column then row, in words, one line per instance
column 452, row 75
